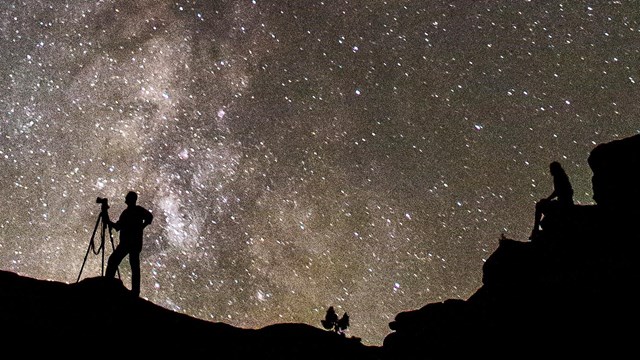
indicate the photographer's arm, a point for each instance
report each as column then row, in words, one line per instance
column 148, row 217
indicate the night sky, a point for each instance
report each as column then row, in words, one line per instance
column 297, row 155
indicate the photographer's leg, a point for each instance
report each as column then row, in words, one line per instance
column 114, row 261
column 134, row 260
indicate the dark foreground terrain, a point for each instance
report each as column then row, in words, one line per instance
column 570, row 291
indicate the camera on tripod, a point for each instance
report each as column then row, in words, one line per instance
column 103, row 219
column 104, row 202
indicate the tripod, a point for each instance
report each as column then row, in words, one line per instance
column 105, row 225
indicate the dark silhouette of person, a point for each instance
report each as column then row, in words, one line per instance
column 561, row 197
column 131, row 223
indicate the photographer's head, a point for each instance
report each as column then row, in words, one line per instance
column 131, row 198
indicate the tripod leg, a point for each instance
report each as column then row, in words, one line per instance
column 102, row 247
column 89, row 247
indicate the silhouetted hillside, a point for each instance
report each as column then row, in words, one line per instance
column 571, row 291
column 98, row 316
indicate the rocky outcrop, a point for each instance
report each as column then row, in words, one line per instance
column 616, row 174
column 568, row 291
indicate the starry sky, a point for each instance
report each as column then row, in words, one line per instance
column 296, row 155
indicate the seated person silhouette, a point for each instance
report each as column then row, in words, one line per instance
column 560, row 199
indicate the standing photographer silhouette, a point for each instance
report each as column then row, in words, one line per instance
column 131, row 224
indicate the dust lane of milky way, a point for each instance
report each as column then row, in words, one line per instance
column 297, row 155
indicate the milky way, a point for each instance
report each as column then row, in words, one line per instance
column 297, row 155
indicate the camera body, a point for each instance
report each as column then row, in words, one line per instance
column 103, row 202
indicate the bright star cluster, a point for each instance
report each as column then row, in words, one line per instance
column 297, row 155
